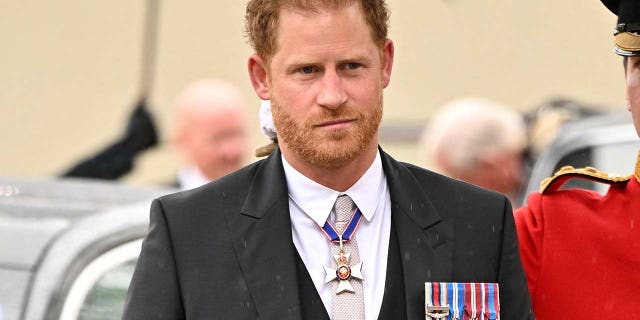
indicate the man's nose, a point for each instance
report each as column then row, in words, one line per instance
column 332, row 94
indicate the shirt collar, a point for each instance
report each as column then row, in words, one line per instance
column 317, row 200
column 191, row 177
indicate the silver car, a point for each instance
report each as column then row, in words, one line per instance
column 606, row 142
column 68, row 247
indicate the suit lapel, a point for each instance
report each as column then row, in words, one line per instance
column 263, row 243
column 424, row 239
column 265, row 251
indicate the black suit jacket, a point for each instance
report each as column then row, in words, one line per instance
column 225, row 250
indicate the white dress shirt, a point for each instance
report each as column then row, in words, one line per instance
column 191, row 177
column 310, row 204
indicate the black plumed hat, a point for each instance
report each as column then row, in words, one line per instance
column 627, row 34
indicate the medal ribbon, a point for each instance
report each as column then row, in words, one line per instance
column 457, row 292
column 493, row 301
column 349, row 230
column 468, row 301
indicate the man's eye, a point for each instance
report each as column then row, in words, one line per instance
column 307, row 70
column 352, row 65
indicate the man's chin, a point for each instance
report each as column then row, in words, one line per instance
column 334, row 143
column 334, row 154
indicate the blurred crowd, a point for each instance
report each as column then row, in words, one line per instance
column 496, row 150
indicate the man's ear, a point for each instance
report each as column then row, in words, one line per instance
column 258, row 75
column 387, row 62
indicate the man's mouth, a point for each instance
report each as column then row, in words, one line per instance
column 335, row 124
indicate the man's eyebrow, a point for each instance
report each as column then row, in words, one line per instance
column 304, row 61
column 301, row 61
column 356, row 58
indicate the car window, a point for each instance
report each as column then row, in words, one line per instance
column 615, row 158
column 100, row 289
column 106, row 298
column 608, row 143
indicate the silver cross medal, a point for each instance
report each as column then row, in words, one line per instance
column 344, row 272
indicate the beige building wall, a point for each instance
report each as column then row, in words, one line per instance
column 69, row 70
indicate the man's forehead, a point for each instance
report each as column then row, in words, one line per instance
column 294, row 21
column 288, row 11
column 316, row 6
column 297, row 20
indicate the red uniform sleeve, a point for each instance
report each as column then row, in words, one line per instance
column 530, row 228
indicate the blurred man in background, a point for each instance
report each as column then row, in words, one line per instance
column 210, row 132
column 478, row 141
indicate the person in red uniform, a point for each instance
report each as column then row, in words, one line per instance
column 580, row 249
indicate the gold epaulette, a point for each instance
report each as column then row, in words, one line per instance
column 589, row 173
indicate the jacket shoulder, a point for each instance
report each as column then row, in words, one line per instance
column 221, row 190
column 555, row 182
column 429, row 179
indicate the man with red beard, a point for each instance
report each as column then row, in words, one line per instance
column 328, row 226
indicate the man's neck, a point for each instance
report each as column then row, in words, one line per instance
column 339, row 178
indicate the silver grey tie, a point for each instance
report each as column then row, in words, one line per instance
column 346, row 305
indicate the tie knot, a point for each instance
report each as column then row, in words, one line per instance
column 344, row 210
